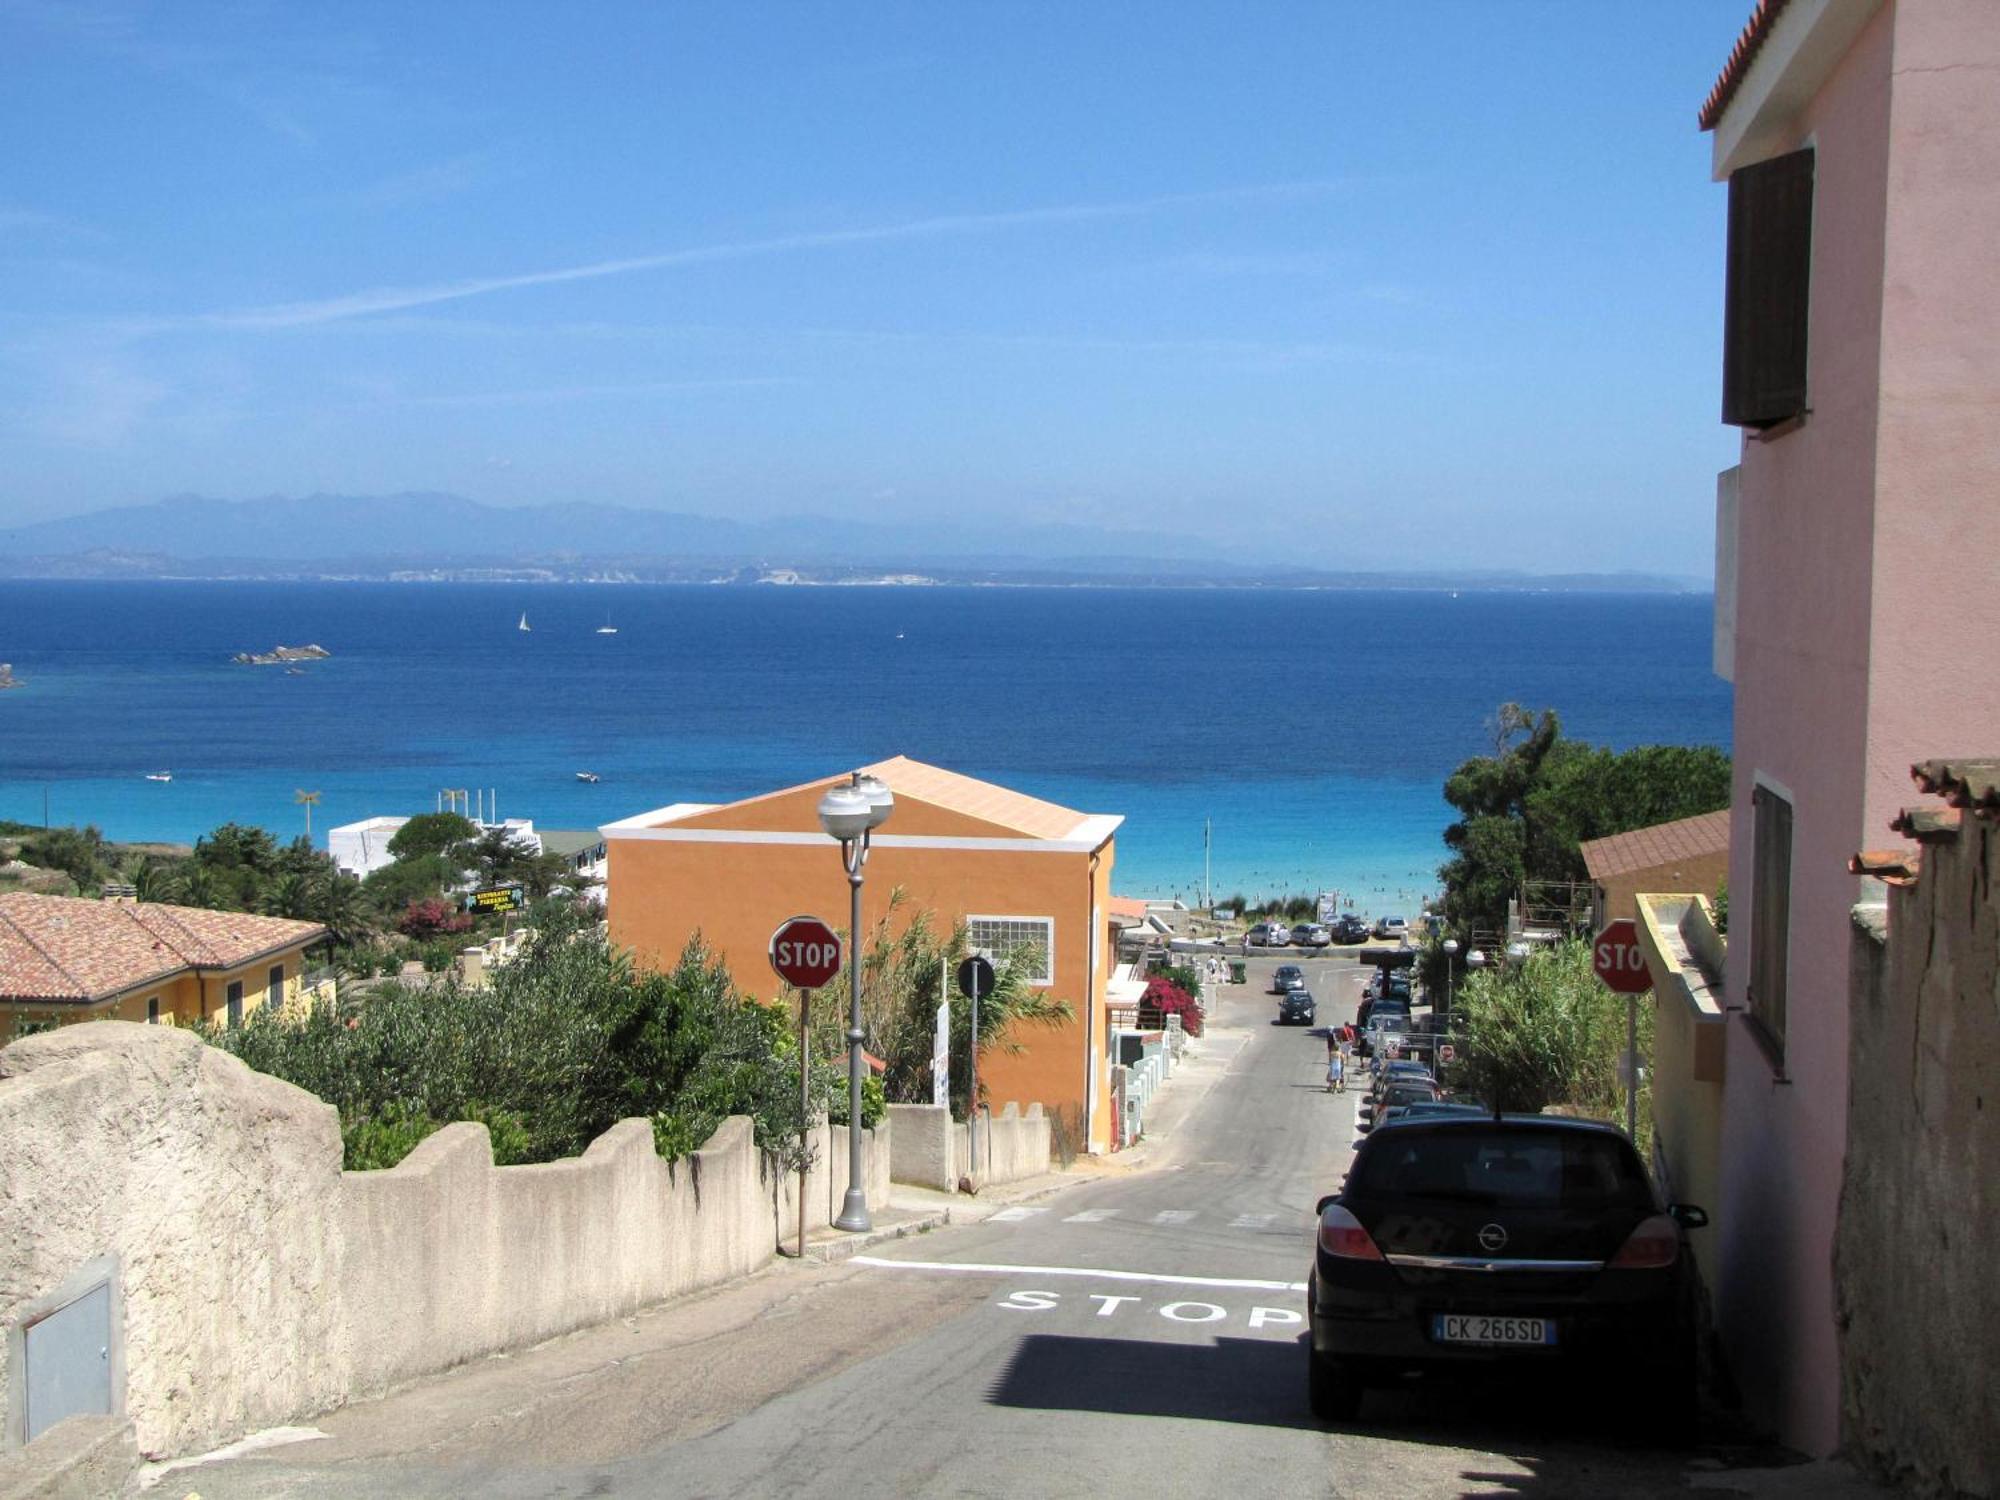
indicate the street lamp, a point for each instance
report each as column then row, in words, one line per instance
column 1475, row 959
column 850, row 813
column 1450, row 952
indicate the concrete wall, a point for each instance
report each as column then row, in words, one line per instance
column 263, row 1284
column 930, row 1150
column 1919, row 1305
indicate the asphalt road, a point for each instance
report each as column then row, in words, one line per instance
column 1139, row 1334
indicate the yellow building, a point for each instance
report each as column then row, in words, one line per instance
column 65, row 959
column 1021, row 873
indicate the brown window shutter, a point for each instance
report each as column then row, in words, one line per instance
column 1768, row 294
column 1770, row 911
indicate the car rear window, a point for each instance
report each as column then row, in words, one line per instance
column 1511, row 1169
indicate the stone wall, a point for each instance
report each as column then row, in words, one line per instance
column 1917, row 1300
column 262, row 1284
column 931, row 1151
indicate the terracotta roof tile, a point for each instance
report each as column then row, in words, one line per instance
column 1970, row 781
column 1751, row 41
column 1130, row 907
column 1891, row 866
column 1928, row 825
column 63, row 948
column 1661, row 844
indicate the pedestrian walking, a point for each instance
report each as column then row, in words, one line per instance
column 1336, row 1073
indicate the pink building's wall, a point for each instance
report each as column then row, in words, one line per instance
column 1937, row 512
column 1866, row 545
column 1805, row 535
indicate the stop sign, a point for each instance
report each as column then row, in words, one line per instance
column 805, row 952
column 1619, row 960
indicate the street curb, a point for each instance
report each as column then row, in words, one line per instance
column 829, row 1252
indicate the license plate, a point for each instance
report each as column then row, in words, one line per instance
column 1475, row 1328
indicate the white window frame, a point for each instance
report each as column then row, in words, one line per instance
column 1048, row 924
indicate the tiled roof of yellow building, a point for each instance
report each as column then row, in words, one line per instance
column 67, row 949
column 1661, row 844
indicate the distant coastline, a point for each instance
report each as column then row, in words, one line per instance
column 726, row 573
column 398, row 539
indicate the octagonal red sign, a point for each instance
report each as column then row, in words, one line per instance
column 805, row 952
column 1619, row 960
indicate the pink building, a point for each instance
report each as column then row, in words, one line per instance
column 1858, row 548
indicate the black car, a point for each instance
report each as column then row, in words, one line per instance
column 1349, row 928
column 1287, row 977
column 1527, row 1240
column 1296, row 1008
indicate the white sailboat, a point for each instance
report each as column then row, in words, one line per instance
column 607, row 628
column 524, row 621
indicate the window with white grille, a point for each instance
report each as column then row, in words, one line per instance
column 1029, row 942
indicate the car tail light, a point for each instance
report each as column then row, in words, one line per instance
column 1341, row 1234
column 1656, row 1243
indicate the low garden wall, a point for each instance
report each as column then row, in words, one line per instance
column 930, row 1150
column 262, row 1284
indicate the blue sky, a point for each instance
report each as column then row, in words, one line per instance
column 1342, row 284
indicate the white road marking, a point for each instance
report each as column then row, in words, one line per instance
column 1014, row 1215
column 1092, row 1216
column 986, row 1268
column 1249, row 1221
column 1109, row 1302
column 1173, row 1216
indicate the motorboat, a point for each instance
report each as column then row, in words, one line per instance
column 159, row 775
column 590, row 776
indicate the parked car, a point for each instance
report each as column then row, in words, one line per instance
column 1310, row 935
column 1296, row 1008
column 1401, row 1092
column 1401, row 1067
column 1451, row 1105
column 1392, row 929
column 1371, row 1005
column 1268, row 935
column 1530, row 1241
column 1350, row 927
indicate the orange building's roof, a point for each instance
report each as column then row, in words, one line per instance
column 63, row 948
column 976, row 799
column 967, row 796
column 1131, row 908
column 1661, row 844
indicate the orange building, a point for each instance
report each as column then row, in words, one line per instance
column 1020, row 872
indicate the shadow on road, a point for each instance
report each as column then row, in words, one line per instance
column 1231, row 1380
column 1566, row 1439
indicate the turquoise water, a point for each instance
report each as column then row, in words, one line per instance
column 1311, row 729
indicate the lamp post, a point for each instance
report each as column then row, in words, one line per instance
column 850, row 813
column 1475, row 959
column 1450, row 953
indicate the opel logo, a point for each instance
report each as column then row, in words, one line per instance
column 1492, row 1238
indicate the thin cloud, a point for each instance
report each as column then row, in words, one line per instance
column 540, row 395
column 400, row 299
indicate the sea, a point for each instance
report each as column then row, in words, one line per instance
column 1264, row 741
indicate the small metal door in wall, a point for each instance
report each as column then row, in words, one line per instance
column 68, row 1361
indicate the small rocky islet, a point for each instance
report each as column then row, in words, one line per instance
column 279, row 656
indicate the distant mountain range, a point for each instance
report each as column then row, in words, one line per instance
column 448, row 537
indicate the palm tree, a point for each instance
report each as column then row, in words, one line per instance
column 339, row 907
column 202, row 886
column 290, row 895
column 156, row 880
